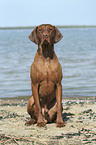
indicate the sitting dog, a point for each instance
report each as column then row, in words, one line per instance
column 45, row 104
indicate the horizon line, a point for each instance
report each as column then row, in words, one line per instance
column 58, row 26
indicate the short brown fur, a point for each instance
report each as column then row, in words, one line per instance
column 45, row 104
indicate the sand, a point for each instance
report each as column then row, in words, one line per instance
column 79, row 115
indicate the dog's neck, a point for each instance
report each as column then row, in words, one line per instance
column 46, row 50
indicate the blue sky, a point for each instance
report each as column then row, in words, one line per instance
column 56, row 12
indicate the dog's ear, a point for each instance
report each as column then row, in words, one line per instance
column 58, row 35
column 33, row 36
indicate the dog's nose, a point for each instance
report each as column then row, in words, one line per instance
column 45, row 34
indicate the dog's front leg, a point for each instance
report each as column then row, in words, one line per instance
column 60, row 122
column 40, row 121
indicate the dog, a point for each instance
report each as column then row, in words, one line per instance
column 45, row 104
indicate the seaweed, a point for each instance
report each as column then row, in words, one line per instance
column 9, row 114
column 7, row 139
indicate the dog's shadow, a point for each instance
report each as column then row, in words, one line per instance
column 67, row 116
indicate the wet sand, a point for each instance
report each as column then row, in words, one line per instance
column 79, row 115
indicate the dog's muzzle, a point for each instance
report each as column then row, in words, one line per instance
column 47, row 49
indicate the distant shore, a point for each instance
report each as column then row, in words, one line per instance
column 58, row 26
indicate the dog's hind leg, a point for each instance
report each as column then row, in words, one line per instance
column 31, row 111
column 51, row 114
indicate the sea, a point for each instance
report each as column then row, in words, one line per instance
column 76, row 53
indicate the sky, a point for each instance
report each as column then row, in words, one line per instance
column 56, row 12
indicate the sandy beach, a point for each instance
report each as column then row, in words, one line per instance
column 79, row 115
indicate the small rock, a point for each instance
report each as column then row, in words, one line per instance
column 87, row 111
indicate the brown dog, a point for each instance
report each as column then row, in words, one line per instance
column 46, row 74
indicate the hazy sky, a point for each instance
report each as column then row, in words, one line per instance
column 56, row 12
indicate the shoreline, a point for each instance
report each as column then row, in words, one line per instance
column 63, row 98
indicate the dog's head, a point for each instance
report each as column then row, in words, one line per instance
column 45, row 36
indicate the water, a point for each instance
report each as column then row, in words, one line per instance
column 76, row 53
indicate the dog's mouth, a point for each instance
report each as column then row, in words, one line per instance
column 47, row 49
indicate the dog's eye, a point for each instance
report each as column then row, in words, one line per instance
column 50, row 28
column 39, row 29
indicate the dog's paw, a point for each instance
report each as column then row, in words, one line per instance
column 60, row 124
column 30, row 122
column 41, row 124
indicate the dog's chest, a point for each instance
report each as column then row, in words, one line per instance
column 48, row 70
